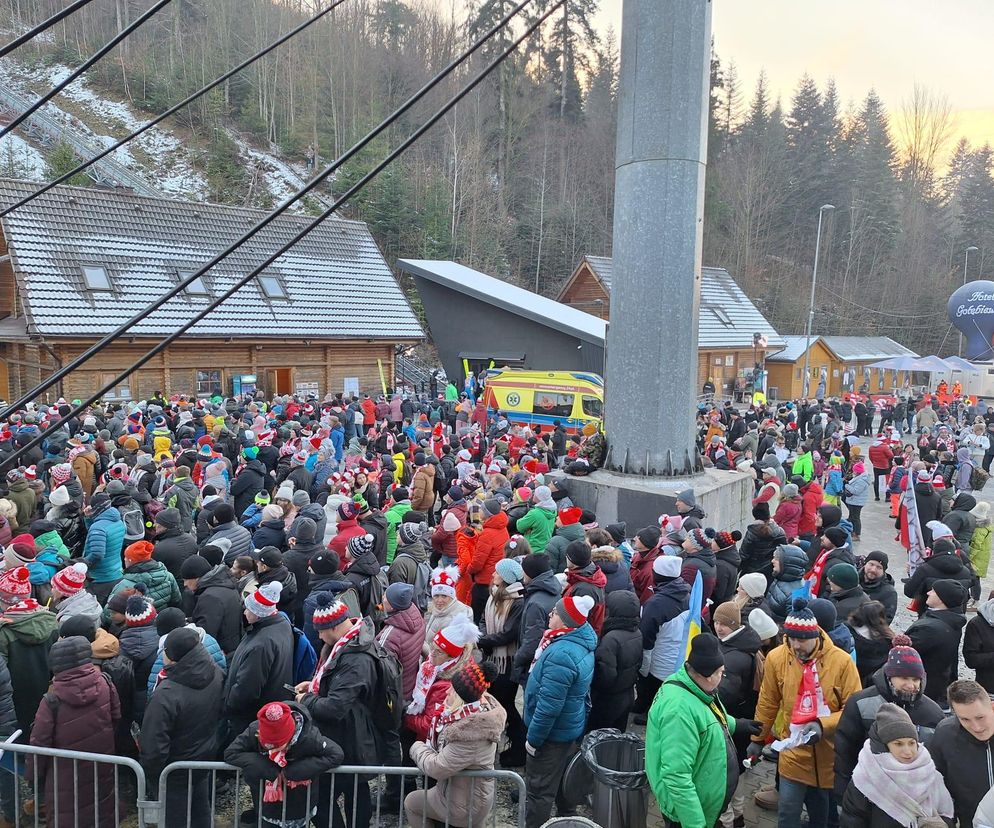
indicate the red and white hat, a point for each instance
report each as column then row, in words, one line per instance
column 15, row 582
column 670, row 523
column 59, row 474
column 265, row 437
column 31, row 473
column 443, row 581
column 70, row 580
column 574, row 611
column 263, row 601
column 329, row 612
column 454, row 638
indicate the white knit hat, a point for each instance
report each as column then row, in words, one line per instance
column 285, row 491
column 59, row 496
column 667, row 566
column 764, row 626
column 443, row 581
column 753, row 584
column 263, row 601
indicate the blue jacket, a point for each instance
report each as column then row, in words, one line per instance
column 44, row 566
column 210, row 644
column 252, row 516
column 337, row 437
column 556, row 693
column 104, row 542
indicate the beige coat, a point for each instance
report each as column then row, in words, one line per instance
column 423, row 488
column 467, row 744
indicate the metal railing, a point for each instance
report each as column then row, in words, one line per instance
column 71, row 789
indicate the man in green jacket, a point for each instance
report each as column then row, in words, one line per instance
column 803, row 463
column 400, row 506
column 689, row 755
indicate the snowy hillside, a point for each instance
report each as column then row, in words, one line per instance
column 161, row 156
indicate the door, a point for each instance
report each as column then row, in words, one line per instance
column 280, row 380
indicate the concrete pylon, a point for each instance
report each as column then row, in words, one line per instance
column 651, row 367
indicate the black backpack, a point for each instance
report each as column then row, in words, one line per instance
column 388, row 701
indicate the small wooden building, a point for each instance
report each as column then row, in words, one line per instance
column 76, row 263
column 841, row 361
column 727, row 326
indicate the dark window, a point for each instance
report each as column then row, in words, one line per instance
column 555, row 405
column 592, row 406
column 271, row 287
column 208, row 383
column 96, row 277
column 197, row 287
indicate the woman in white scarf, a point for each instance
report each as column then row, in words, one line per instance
column 895, row 782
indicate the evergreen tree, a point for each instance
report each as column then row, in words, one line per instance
column 570, row 43
column 61, row 160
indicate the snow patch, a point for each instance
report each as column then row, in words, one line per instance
column 21, row 159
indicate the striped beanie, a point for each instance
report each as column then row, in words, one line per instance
column 263, row 601
column 15, row 582
column 801, row 621
column 329, row 613
column 700, row 539
column 454, row 638
column 359, row 545
column 70, row 580
column 139, row 611
column 574, row 611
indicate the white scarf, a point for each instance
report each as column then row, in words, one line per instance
column 426, row 678
column 338, row 645
column 906, row 793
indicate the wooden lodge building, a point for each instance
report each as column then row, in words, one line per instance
column 75, row 263
column 727, row 324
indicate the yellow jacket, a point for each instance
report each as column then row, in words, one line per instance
column 812, row 765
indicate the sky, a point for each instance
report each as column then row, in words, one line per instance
column 889, row 45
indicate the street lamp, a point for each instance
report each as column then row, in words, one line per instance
column 825, row 208
column 966, row 263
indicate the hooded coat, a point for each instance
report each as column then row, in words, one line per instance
column 757, row 547
column 360, row 575
column 161, row 587
column 270, row 533
column 808, row 764
column 556, row 693
column 662, row 626
column 936, row 636
column 727, row 562
column 175, row 727
column 251, row 480
column 704, row 562
column 260, row 666
column 978, row 645
column 938, row 566
column 847, row 601
column 960, row 520
column 217, row 608
column 561, row 538
column 540, row 597
column 793, row 565
column 788, row 516
column 617, row 658
column 859, row 715
column 104, row 543
column 25, row 639
column 610, row 560
column 736, row 689
column 489, row 549
column 172, row 548
column 80, row 713
column 71, row 526
column 403, row 634
column 881, row 590
column 537, row 525
column 23, row 497
column 465, row 744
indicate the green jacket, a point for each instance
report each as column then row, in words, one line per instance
column 561, row 538
column 804, row 466
column 980, row 550
column 161, row 586
column 451, row 393
column 537, row 525
column 394, row 515
column 686, row 753
column 52, row 540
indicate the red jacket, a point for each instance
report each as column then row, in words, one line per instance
column 591, row 582
column 788, row 516
column 813, row 496
column 641, row 572
column 489, row 548
column 881, row 456
column 347, row 529
column 420, row 723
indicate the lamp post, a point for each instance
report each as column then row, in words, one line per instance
column 966, row 263
column 825, row 208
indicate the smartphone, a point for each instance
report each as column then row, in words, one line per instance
column 290, row 689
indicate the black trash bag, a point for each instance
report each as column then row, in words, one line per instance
column 617, row 759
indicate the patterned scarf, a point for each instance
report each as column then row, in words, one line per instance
column 273, row 791
column 495, row 616
column 336, row 647
column 448, row 718
column 426, row 678
column 27, row 605
column 547, row 638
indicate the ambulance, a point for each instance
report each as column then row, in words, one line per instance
column 532, row 398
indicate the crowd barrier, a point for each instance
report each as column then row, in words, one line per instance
column 90, row 789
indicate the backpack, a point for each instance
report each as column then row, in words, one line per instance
column 378, row 584
column 388, row 701
column 134, row 523
column 422, row 579
column 978, row 478
column 305, row 659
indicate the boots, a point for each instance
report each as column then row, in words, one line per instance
column 767, row 798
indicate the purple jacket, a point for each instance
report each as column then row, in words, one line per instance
column 403, row 634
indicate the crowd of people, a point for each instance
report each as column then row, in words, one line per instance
column 384, row 581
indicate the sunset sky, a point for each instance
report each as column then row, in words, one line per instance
column 889, row 45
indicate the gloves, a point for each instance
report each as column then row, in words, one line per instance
column 530, row 749
column 750, row 726
column 755, row 750
column 814, row 728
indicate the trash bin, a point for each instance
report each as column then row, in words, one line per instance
column 621, row 790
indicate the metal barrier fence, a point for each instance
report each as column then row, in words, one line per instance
column 106, row 790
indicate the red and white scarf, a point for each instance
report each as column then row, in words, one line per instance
column 315, row 684
column 427, row 674
column 274, row 787
column 27, row 605
column 547, row 638
column 440, row 722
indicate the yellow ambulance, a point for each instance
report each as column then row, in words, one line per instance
column 575, row 398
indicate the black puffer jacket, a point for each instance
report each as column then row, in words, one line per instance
column 619, row 652
column 180, row 716
column 360, row 575
column 936, row 636
column 860, row 712
column 736, row 689
column 936, row 567
column 756, row 549
column 966, row 765
column 270, row 533
column 881, row 590
column 959, row 520
column 217, row 608
column 8, row 717
column 71, row 526
column 173, row 547
column 728, row 561
column 260, row 667
column 247, row 484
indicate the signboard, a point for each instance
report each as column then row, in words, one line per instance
column 306, row 389
column 971, row 310
column 351, row 386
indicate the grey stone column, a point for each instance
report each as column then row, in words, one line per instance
column 651, row 367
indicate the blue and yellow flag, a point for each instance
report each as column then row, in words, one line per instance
column 695, row 620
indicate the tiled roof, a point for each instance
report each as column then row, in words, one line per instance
column 865, row 348
column 337, row 283
column 794, row 349
column 728, row 318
